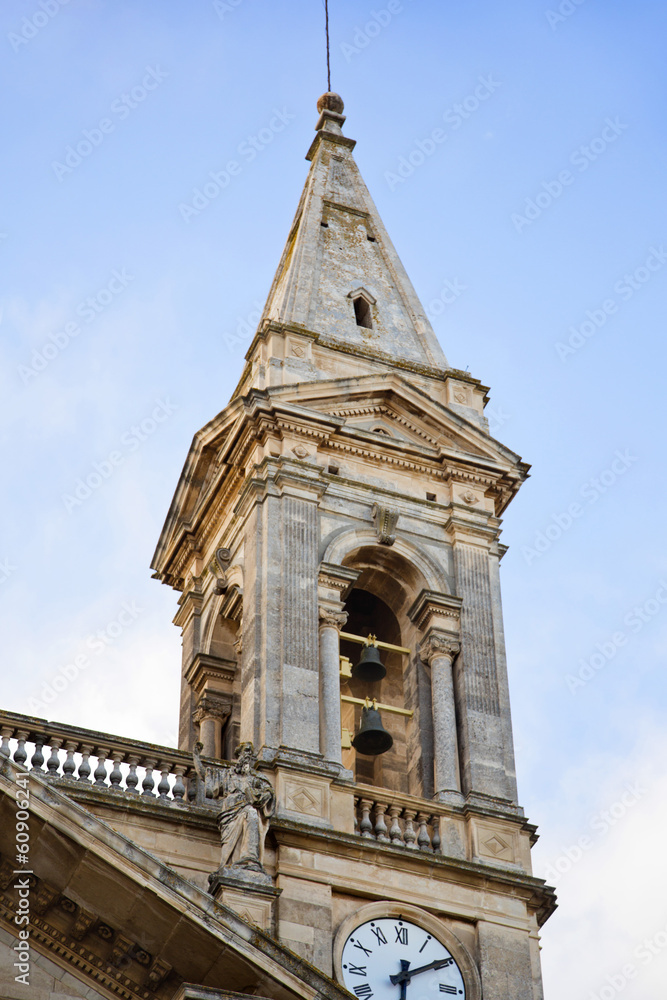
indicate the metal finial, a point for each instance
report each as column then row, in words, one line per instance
column 326, row 24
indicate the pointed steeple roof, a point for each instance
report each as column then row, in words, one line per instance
column 338, row 251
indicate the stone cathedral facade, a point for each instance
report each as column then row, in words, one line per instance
column 334, row 541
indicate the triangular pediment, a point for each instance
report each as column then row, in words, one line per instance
column 377, row 414
column 107, row 914
column 377, row 403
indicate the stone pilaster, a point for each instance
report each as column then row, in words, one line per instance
column 280, row 669
column 506, row 963
column 486, row 761
column 188, row 618
column 495, row 555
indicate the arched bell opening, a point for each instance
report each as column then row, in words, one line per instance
column 370, row 615
column 379, row 603
column 214, row 679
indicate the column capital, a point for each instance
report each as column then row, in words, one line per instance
column 213, row 706
column 438, row 644
column 333, row 617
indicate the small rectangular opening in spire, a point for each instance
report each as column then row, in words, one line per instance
column 362, row 312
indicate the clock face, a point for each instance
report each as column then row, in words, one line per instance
column 391, row 946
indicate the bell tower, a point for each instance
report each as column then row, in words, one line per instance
column 335, row 541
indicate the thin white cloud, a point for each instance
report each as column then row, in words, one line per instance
column 602, row 845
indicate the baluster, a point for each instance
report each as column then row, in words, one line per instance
column 6, row 732
column 435, row 839
column 69, row 767
column 410, row 836
column 101, row 769
column 423, row 838
column 357, row 800
column 148, row 784
column 38, row 757
column 380, row 824
column 132, row 779
column 20, row 755
column 395, row 832
column 84, row 766
column 53, row 763
column 178, row 790
column 163, row 787
column 116, row 775
column 366, row 827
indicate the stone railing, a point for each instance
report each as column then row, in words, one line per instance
column 157, row 773
column 398, row 819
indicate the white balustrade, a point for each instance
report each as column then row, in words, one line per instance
column 163, row 775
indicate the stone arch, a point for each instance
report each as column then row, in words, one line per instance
column 423, row 571
column 395, row 575
column 215, row 678
column 212, row 619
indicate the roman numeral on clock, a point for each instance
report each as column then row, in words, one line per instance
column 357, row 970
column 381, row 939
column 366, row 951
column 448, row 989
column 401, row 935
column 364, row 990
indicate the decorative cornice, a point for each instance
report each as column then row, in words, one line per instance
column 476, row 527
column 205, row 667
column 381, row 410
column 434, row 609
column 337, row 578
column 538, row 897
column 377, row 356
column 232, row 605
column 434, row 470
column 259, row 416
column 190, row 603
column 106, row 957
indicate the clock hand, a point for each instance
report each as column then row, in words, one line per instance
column 404, row 982
column 406, row 974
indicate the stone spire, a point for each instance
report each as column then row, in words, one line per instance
column 340, row 278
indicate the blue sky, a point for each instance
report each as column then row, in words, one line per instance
column 543, row 206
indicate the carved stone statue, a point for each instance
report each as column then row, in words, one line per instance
column 247, row 801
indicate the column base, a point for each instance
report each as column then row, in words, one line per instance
column 304, row 760
column 450, row 798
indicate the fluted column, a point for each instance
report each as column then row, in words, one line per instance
column 332, row 621
column 439, row 651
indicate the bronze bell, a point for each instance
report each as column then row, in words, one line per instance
column 372, row 738
column 370, row 667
